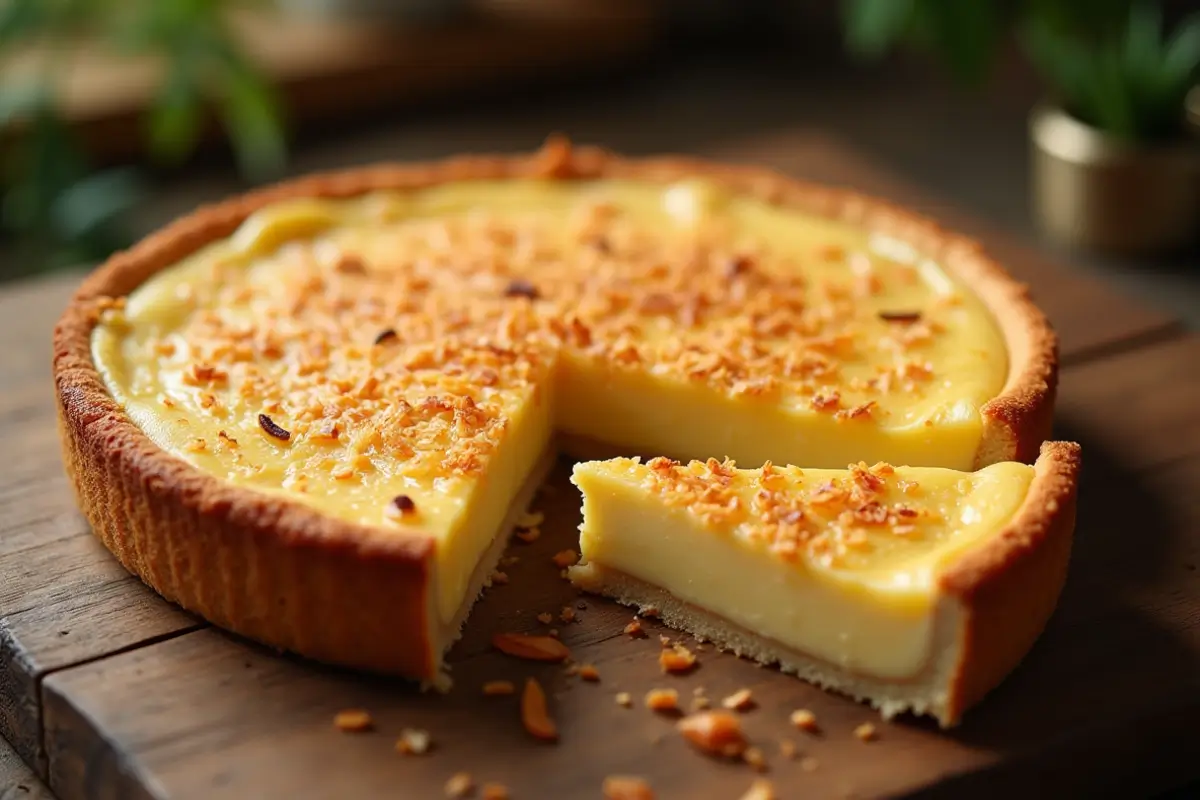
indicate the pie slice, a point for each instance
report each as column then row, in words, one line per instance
column 912, row 588
column 313, row 414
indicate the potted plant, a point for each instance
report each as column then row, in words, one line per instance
column 1112, row 165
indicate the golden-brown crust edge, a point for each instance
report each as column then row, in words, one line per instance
column 268, row 569
column 1020, row 418
column 274, row 570
column 1008, row 588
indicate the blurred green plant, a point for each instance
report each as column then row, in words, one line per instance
column 1133, row 85
column 50, row 196
column 1107, row 62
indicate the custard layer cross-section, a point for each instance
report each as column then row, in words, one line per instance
column 839, row 564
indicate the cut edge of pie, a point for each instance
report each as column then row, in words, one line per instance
column 991, row 604
column 276, row 571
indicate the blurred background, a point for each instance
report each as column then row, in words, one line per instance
column 1072, row 125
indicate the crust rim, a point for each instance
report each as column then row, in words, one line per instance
column 269, row 568
column 987, row 617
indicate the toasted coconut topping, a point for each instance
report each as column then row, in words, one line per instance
column 495, row 688
column 414, row 741
column 292, row 326
column 717, row 733
column 532, row 648
column 460, row 785
column 866, row 732
column 529, row 535
column 834, row 522
column 627, row 787
column 805, row 720
column 353, row 720
column 662, row 700
column 760, row 790
column 677, row 659
column 756, row 758
column 741, row 700
column 494, row 791
column 534, row 714
column 565, row 558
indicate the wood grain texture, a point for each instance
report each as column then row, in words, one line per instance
column 1088, row 314
column 1158, row 395
column 17, row 781
column 63, row 598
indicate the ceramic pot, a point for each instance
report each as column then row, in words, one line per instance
column 1093, row 191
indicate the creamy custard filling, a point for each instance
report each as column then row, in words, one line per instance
column 837, row 564
column 399, row 360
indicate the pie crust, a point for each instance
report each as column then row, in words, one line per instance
column 991, row 606
column 280, row 573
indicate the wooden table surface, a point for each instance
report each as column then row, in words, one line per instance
column 110, row 692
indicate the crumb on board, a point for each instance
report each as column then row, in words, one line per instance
column 497, row 688
column 627, row 787
column 494, row 791
column 717, row 733
column 414, row 741
column 662, row 700
column 804, row 720
column 741, row 700
column 460, row 785
column 353, row 720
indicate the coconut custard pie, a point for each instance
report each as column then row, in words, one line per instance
column 864, row 579
column 312, row 414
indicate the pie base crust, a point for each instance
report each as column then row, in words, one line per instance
column 277, row 572
column 992, row 605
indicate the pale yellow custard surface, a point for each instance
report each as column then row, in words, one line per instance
column 424, row 346
column 840, row 564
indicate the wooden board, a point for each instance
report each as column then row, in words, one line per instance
column 17, row 781
column 63, row 599
column 141, row 700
